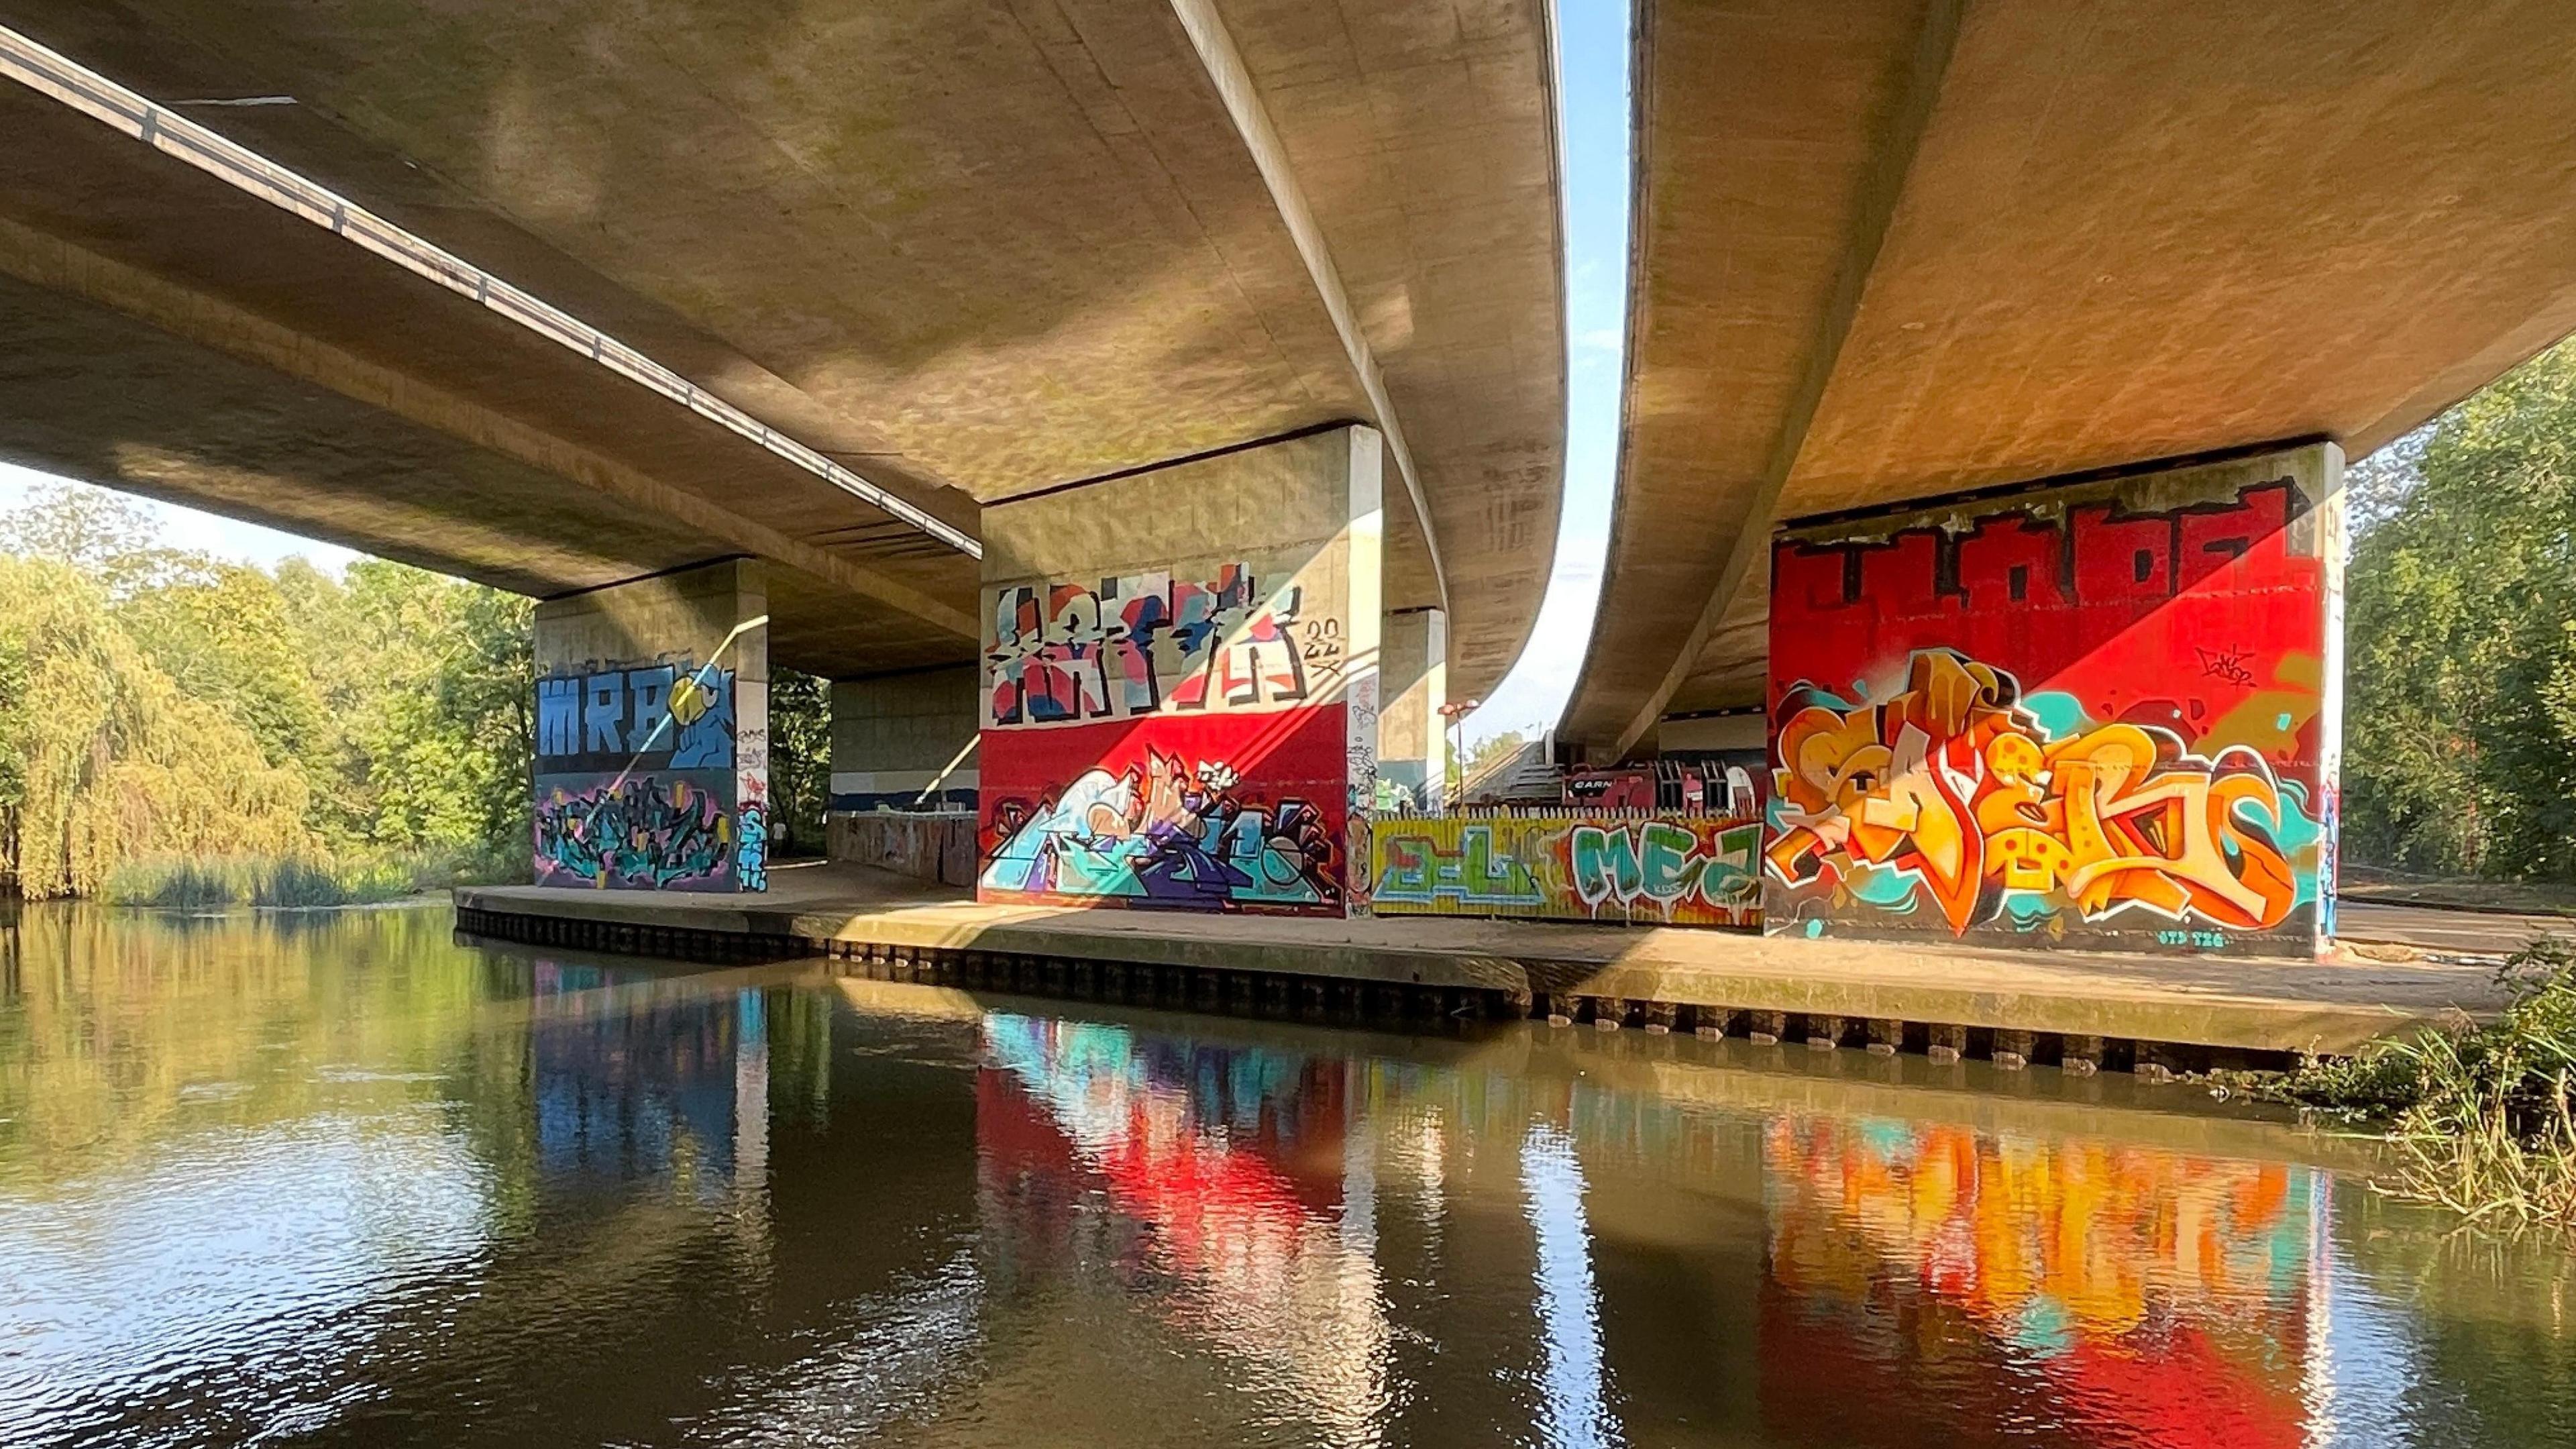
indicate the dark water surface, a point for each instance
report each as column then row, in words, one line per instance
column 341, row 1180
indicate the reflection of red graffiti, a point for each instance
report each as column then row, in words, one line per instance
column 1237, row 1196
column 1955, row 784
column 2162, row 1297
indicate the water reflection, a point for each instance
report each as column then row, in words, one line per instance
column 2078, row 1292
column 351, row 1182
column 631, row 1081
column 1218, row 1177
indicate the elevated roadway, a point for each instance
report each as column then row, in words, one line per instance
column 836, row 278
column 1892, row 249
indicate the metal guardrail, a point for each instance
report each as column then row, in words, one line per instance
column 67, row 81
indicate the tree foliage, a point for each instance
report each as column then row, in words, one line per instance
column 165, row 703
column 1494, row 747
column 2460, row 718
column 800, row 760
column 105, row 757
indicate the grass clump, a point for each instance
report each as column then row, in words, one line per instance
column 178, row 885
column 293, row 882
column 2485, row 1116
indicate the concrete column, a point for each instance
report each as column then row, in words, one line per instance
column 652, row 709
column 1414, row 682
column 896, row 736
column 2102, row 713
column 1180, row 692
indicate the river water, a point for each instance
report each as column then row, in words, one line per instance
column 339, row 1179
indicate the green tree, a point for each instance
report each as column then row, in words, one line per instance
column 389, row 711
column 800, row 759
column 438, row 715
column 104, row 757
column 2460, row 720
column 1493, row 747
column 222, row 633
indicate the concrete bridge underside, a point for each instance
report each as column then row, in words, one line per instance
column 967, row 250
column 1887, row 251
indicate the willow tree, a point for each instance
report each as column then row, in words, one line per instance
column 104, row 758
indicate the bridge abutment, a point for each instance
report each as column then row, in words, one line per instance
column 901, row 741
column 904, row 773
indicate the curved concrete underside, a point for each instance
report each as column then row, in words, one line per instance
column 1888, row 251
column 969, row 250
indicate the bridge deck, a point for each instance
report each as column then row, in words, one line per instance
column 2204, row 1002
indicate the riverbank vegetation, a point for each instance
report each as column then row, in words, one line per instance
column 2460, row 716
column 293, row 882
column 179, row 728
column 2484, row 1116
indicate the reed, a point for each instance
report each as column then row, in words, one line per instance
column 2484, row 1115
column 299, row 882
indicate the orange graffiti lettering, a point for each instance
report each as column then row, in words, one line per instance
column 1955, row 783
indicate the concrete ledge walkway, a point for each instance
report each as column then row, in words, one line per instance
column 2401, row 966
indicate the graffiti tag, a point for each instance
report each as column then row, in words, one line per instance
column 1142, row 644
column 1419, row 872
column 1660, row 862
column 1956, row 788
column 668, row 716
column 2226, row 664
column 638, row 833
column 751, row 850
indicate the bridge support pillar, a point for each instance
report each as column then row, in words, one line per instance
column 904, row 741
column 904, row 773
column 1412, row 743
column 1179, row 704
column 2101, row 712
column 652, row 709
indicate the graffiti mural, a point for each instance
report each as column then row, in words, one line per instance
column 641, row 833
column 664, row 716
column 2102, row 714
column 1146, row 643
column 1178, row 740
column 2118, row 1294
column 1952, row 793
column 638, row 774
column 1664, row 870
column 1170, row 821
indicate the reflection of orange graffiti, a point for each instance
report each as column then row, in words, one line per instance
column 1955, row 783
column 2164, row 1295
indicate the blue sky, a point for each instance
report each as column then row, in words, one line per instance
column 1593, row 40
column 189, row 529
column 1592, row 36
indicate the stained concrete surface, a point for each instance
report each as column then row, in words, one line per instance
column 969, row 250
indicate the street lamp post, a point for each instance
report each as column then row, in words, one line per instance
column 1454, row 715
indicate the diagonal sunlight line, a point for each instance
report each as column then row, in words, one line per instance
column 953, row 762
column 697, row 681
column 55, row 75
